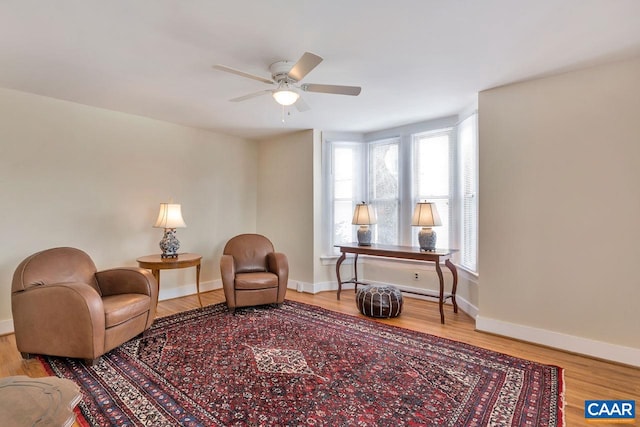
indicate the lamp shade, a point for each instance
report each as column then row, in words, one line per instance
column 426, row 215
column 170, row 216
column 364, row 215
column 285, row 96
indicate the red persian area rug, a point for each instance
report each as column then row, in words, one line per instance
column 300, row 365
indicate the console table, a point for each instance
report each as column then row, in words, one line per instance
column 403, row 252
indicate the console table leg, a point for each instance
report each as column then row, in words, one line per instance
column 454, row 287
column 441, row 295
column 355, row 274
column 338, row 263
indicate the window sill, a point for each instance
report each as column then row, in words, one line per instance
column 468, row 271
column 329, row 259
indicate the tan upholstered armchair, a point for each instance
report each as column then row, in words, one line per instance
column 252, row 272
column 62, row 306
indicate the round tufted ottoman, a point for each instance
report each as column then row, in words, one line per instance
column 379, row 301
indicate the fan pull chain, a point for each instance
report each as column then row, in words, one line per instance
column 287, row 113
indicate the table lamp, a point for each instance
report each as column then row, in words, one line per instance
column 170, row 218
column 364, row 215
column 426, row 216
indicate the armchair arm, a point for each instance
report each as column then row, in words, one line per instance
column 64, row 319
column 279, row 264
column 228, row 275
column 130, row 280
column 127, row 280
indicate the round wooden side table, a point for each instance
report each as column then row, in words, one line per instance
column 155, row 263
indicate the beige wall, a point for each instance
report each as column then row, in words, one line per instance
column 91, row 178
column 559, row 210
column 286, row 199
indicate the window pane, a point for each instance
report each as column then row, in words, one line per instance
column 342, row 215
column 432, row 165
column 384, row 189
column 468, row 142
column 432, row 181
column 386, row 231
column 384, row 171
column 343, row 172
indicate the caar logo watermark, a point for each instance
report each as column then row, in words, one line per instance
column 610, row 411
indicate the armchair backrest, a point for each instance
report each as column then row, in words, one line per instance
column 249, row 252
column 57, row 265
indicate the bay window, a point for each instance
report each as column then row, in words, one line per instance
column 394, row 173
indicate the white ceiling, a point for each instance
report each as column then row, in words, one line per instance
column 415, row 59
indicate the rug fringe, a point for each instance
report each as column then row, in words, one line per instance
column 561, row 395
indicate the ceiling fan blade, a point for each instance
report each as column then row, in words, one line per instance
column 335, row 89
column 242, row 73
column 305, row 64
column 301, row 105
column 251, row 95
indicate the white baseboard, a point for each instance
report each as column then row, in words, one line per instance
column 463, row 304
column 314, row 288
column 6, row 327
column 189, row 289
column 301, row 286
column 574, row 344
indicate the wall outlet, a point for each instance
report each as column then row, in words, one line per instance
column 416, row 275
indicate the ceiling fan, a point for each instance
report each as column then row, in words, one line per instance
column 286, row 76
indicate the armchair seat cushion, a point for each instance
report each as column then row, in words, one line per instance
column 254, row 281
column 121, row 308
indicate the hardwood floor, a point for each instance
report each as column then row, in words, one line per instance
column 585, row 378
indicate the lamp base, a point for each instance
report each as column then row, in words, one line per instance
column 364, row 236
column 427, row 239
column 169, row 244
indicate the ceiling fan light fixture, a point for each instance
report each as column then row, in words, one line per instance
column 285, row 96
column 287, row 80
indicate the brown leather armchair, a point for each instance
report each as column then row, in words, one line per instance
column 252, row 272
column 63, row 306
